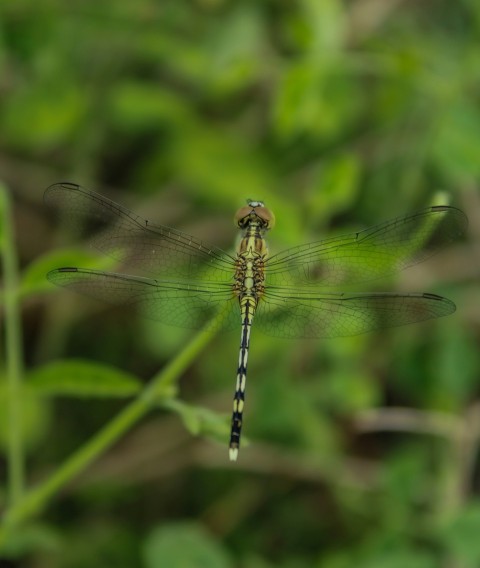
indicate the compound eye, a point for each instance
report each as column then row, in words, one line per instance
column 266, row 216
column 242, row 215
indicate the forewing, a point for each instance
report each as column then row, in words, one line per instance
column 131, row 240
column 375, row 252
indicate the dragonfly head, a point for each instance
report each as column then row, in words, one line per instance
column 255, row 212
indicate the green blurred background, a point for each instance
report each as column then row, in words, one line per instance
column 338, row 114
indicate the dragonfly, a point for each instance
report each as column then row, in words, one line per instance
column 175, row 278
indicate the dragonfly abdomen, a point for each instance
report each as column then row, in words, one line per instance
column 248, row 305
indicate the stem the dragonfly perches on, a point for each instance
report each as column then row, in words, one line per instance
column 158, row 392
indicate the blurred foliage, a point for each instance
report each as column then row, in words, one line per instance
column 337, row 113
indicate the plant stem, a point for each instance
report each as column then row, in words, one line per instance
column 13, row 351
column 161, row 387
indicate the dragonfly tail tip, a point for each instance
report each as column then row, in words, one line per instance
column 233, row 453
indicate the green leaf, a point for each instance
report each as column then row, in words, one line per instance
column 204, row 148
column 456, row 144
column 461, row 536
column 315, row 98
column 32, row 538
column 200, row 421
column 35, row 417
column 335, row 187
column 138, row 106
column 401, row 559
column 34, row 278
column 232, row 64
column 326, row 23
column 33, row 118
column 79, row 378
column 183, row 545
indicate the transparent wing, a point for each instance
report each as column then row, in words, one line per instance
column 195, row 279
column 174, row 303
column 378, row 251
column 300, row 314
column 132, row 240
